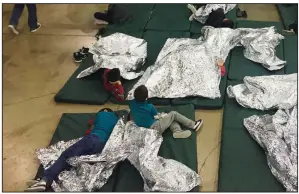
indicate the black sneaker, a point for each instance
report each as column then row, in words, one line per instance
column 78, row 57
column 84, row 50
column 39, row 186
column 37, row 27
column 198, row 124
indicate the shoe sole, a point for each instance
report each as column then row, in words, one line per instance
column 199, row 126
column 100, row 22
column 36, row 189
column 78, row 61
column 36, row 28
column 182, row 135
column 13, row 29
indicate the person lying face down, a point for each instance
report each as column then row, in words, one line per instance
column 93, row 143
column 144, row 114
column 216, row 18
column 112, row 83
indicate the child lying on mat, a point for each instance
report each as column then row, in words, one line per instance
column 112, row 83
column 92, row 143
column 144, row 114
column 216, row 18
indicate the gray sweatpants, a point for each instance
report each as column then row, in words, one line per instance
column 172, row 121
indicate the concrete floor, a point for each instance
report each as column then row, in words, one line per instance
column 36, row 66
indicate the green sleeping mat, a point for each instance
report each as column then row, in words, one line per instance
column 88, row 90
column 171, row 17
column 240, row 66
column 183, row 150
column 288, row 14
column 125, row 177
column 155, row 42
column 72, row 126
column 206, row 103
column 141, row 14
column 242, row 164
column 290, row 45
column 197, row 26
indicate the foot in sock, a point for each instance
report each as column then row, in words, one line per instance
column 192, row 8
column 13, row 29
column 198, row 124
column 39, row 186
column 191, row 18
column 182, row 134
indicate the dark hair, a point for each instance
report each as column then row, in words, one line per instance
column 228, row 24
column 107, row 109
column 141, row 93
column 113, row 75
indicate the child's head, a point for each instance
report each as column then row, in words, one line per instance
column 141, row 93
column 227, row 23
column 113, row 75
column 105, row 110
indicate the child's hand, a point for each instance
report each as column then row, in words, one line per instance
column 220, row 62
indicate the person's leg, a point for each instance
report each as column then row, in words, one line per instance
column 32, row 17
column 16, row 14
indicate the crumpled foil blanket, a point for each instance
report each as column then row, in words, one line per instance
column 203, row 12
column 187, row 67
column 277, row 135
column 127, row 141
column 266, row 92
column 118, row 51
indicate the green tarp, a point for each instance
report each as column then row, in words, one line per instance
column 88, row 90
column 125, row 177
column 170, row 17
column 290, row 45
column 288, row 14
column 242, row 164
column 240, row 66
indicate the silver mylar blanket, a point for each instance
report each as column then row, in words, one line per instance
column 266, row 92
column 203, row 12
column 127, row 141
column 118, row 51
column 187, row 67
column 277, row 135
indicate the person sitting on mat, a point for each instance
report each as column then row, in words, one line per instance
column 112, row 83
column 116, row 13
column 216, row 18
column 144, row 114
column 92, row 143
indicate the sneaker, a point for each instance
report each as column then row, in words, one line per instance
column 191, row 18
column 192, row 8
column 288, row 32
column 198, row 124
column 13, row 29
column 84, row 50
column 182, row 134
column 40, row 186
column 37, row 27
column 32, row 182
column 100, row 22
column 78, row 57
